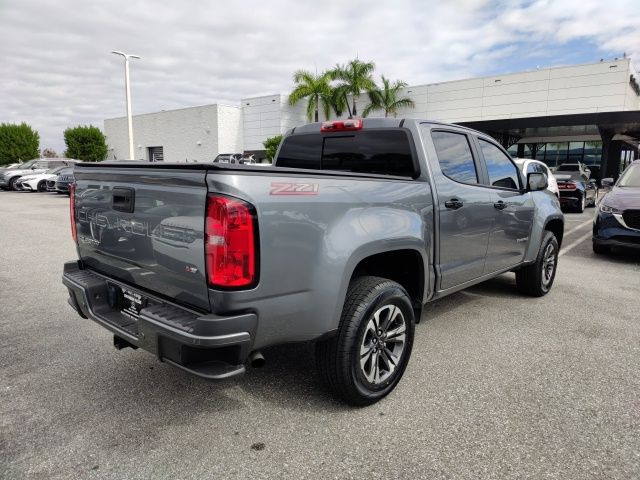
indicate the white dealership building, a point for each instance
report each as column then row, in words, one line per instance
column 588, row 112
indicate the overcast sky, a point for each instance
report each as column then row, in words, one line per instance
column 56, row 70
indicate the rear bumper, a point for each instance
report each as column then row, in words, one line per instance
column 209, row 346
column 570, row 199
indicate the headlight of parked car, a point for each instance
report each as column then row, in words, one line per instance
column 608, row 209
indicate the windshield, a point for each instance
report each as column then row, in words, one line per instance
column 22, row 166
column 51, row 171
column 630, row 178
column 568, row 168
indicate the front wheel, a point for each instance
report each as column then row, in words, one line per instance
column 42, row 186
column 536, row 279
column 366, row 359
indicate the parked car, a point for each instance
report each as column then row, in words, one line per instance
column 575, row 167
column 576, row 191
column 249, row 159
column 17, row 166
column 37, row 182
column 618, row 220
column 359, row 224
column 41, row 165
column 228, row 158
column 530, row 166
column 62, row 181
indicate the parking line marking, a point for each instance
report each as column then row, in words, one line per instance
column 572, row 245
column 577, row 228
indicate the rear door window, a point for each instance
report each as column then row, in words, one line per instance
column 384, row 152
column 502, row 172
column 454, row 156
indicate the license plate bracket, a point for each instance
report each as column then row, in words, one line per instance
column 131, row 304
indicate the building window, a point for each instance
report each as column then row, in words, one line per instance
column 592, row 152
column 557, row 153
column 156, row 154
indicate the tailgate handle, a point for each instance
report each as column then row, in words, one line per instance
column 123, row 199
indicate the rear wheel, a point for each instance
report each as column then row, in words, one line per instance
column 366, row 359
column 536, row 279
column 582, row 204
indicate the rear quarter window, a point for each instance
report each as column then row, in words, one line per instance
column 384, row 152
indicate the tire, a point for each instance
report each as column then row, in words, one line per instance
column 42, row 186
column 582, row 204
column 600, row 249
column 536, row 279
column 595, row 199
column 12, row 183
column 363, row 379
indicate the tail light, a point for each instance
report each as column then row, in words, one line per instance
column 342, row 125
column 230, row 237
column 72, row 211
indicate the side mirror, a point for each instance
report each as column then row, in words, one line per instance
column 607, row 182
column 536, row 181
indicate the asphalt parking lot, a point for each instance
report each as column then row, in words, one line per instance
column 499, row 385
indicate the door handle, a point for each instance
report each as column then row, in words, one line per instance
column 454, row 203
column 500, row 205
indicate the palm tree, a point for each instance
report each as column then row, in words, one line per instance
column 355, row 78
column 316, row 89
column 386, row 98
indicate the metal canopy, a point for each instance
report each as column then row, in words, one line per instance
column 618, row 123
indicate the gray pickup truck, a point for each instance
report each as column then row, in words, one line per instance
column 357, row 226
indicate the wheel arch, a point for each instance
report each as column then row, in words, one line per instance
column 556, row 226
column 406, row 266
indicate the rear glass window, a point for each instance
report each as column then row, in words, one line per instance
column 380, row 152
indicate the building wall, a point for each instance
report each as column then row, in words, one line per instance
column 188, row 134
column 230, row 130
column 596, row 87
column 261, row 120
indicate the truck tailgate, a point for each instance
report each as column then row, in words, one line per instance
column 145, row 227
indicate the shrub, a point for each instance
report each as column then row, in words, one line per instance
column 271, row 145
column 85, row 143
column 18, row 143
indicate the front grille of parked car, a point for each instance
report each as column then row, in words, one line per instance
column 632, row 218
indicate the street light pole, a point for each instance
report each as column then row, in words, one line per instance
column 128, row 93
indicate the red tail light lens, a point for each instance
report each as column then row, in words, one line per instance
column 72, row 211
column 342, row 125
column 567, row 186
column 230, row 242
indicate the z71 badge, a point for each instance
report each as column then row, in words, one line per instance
column 280, row 188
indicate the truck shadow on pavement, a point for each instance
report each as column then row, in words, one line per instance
column 288, row 379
